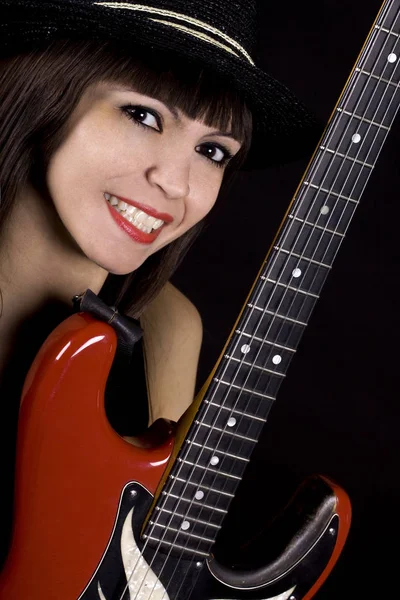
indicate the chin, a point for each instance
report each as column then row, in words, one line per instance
column 114, row 269
column 113, row 262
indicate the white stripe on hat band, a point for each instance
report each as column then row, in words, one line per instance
column 182, row 17
column 198, row 34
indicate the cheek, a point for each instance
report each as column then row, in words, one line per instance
column 99, row 149
column 206, row 194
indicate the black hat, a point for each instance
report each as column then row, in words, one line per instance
column 218, row 34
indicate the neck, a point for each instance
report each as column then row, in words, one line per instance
column 39, row 263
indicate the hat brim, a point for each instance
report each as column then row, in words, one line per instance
column 284, row 130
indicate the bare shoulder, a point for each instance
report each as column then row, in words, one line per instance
column 172, row 340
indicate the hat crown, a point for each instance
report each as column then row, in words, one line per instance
column 236, row 19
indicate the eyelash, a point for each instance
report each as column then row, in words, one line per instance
column 135, row 107
column 132, row 107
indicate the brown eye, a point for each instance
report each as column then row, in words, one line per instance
column 143, row 116
column 215, row 153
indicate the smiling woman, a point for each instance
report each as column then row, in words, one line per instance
column 76, row 123
column 97, row 146
column 121, row 126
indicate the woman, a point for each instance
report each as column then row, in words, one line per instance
column 120, row 125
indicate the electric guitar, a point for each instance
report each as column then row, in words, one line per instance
column 97, row 518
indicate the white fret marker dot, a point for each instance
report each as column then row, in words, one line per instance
column 324, row 210
column 199, row 495
column 245, row 349
column 231, row 422
column 185, row 525
column 392, row 57
column 214, row 461
column 356, row 138
column 296, row 272
column 277, row 359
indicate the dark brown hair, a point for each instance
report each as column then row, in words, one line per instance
column 39, row 91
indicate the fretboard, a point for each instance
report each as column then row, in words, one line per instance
column 219, row 444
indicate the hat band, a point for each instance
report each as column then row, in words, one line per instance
column 232, row 44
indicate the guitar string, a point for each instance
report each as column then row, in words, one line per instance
column 385, row 67
column 344, row 184
column 366, row 134
column 368, row 128
column 298, row 294
column 356, row 180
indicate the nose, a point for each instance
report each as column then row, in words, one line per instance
column 171, row 175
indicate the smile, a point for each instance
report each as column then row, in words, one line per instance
column 137, row 217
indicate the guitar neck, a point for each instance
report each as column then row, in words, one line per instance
column 228, row 424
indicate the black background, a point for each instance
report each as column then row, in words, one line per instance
column 337, row 412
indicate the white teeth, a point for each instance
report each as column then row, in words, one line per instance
column 140, row 217
column 149, row 222
column 137, row 217
column 158, row 224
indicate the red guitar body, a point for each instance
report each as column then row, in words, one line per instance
column 71, row 466
column 72, row 476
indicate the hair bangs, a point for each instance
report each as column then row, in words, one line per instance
column 198, row 93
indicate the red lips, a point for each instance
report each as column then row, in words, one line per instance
column 136, row 234
column 147, row 209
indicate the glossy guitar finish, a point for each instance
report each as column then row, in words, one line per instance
column 79, row 531
column 83, row 495
column 71, row 466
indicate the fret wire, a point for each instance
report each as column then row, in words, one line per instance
column 207, row 468
column 343, row 155
column 263, row 341
column 380, row 79
column 216, row 450
column 350, row 114
column 255, row 366
column 236, row 411
column 319, row 227
column 362, row 162
column 336, row 153
column 387, row 31
column 239, row 387
column 315, row 262
column 326, row 265
column 176, row 514
column 206, row 487
column 330, row 192
column 243, row 437
column 289, row 287
column 185, row 533
column 301, row 256
column 198, row 504
column 371, row 91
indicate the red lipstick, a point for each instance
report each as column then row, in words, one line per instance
column 147, row 209
column 136, row 234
